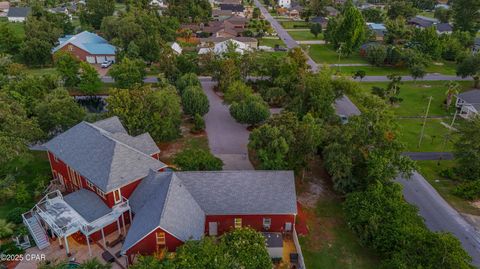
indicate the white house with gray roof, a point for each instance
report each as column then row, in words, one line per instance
column 468, row 104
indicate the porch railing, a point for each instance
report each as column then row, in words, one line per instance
column 301, row 261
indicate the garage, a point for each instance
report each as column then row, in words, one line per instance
column 90, row 59
column 101, row 59
column 111, row 58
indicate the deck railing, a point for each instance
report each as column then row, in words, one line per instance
column 301, row 261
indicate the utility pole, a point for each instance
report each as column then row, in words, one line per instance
column 424, row 122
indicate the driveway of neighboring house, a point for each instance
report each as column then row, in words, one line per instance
column 227, row 139
column 101, row 71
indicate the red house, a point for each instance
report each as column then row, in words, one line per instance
column 87, row 47
column 110, row 179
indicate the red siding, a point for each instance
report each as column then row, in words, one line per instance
column 148, row 245
column 226, row 222
column 78, row 52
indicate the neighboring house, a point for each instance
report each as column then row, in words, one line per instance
column 221, row 15
column 111, row 179
column 468, row 104
column 231, row 27
column 158, row 3
column 176, row 48
column 60, row 10
column 321, row 20
column 444, row 28
column 378, row 29
column 285, row 3
column 236, row 9
column 18, row 14
column 331, row 11
column 4, row 6
column 445, row 6
column 87, row 47
column 476, row 45
column 222, row 47
column 422, row 21
column 211, row 41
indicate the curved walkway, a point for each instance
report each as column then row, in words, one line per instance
column 227, row 138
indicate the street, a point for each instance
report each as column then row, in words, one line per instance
column 439, row 215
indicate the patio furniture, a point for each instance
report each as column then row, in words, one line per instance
column 115, row 242
column 293, row 257
column 108, row 257
column 118, row 254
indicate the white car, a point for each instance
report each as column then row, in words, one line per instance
column 106, row 64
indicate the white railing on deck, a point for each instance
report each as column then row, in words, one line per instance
column 301, row 261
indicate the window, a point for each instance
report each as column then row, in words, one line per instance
column 101, row 193
column 266, row 223
column 238, row 223
column 55, row 158
column 70, row 47
column 90, row 185
column 160, row 238
column 117, row 197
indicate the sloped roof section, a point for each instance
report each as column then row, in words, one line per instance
column 242, row 192
column 161, row 200
column 89, row 42
column 99, row 156
column 87, row 204
column 18, row 12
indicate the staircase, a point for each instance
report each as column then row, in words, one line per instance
column 36, row 230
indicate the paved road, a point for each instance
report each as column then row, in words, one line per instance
column 439, row 215
column 429, row 156
column 428, row 77
column 227, row 139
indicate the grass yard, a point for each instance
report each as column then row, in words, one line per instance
column 447, row 68
column 431, row 171
column 433, row 138
column 295, row 24
column 35, row 172
column 304, row 35
column 325, row 54
column 330, row 243
column 17, row 27
column 42, row 71
column 270, row 42
column 415, row 97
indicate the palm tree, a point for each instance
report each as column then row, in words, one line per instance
column 94, row 264
column 453, row 88
column 6, row 228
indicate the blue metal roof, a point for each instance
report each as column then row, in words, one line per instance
column 89, row 42
column 377, row 26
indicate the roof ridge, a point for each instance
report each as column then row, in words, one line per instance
column 105, row 133
column 167, row 197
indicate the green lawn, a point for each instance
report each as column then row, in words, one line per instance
column 34, row 171
column 42, row 71
column 415, row 97
column 330, row 243
column 433, row 138
column 270, row 42
column 431, row 171
column 295, row 24
column 446, row 69
column 304, row 35
column 18, row 27
column 325, row 54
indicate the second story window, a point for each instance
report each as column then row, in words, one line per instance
column 101, row 193
column 238, row 223
column 160, row 238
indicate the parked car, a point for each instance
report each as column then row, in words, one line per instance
column 106, row 64
column 279, row 48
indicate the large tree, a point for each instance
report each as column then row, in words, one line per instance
column 68, row 66
column 194, row 101
column 366, row 149
column 58, row 112
column 470, row 66
column 128, row 73
column 143, row 109
column 350, row 33
column 190, row 10
column 90, row 83
column 253, row 110
column 466, row 15
column 95, row 10
column 467, row 149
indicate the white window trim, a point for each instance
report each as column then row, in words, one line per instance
column 267, row 222
column 101, row 193
column 119, row 196
column 90, row 185
column 160, row 240
column 237, row 221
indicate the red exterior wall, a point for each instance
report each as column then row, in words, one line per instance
column 226, row 222
column 78, row 52
column 148, row 245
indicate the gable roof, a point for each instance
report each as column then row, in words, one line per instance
column 444, row 27
column 89, row 42
column 109, row 160
column 223, row 46
column 471, row 97
column 18, row 12
column 423, row 21
column 242, row 192
column 161, row 200
column 232, row 7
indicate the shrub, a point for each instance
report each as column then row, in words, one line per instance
column 376, row 54
column 252, row 110
column 194, row 101
column 237, row 92
column 6, row 228
column 197, row 159
column 274, row 96
column 189, row 79
column 15, row 215
column 198, row 123
column 468, row 190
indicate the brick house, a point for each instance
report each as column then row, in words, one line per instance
column 108, row 179
column 87, row 47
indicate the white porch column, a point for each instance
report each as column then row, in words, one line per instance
column 103, row 238
column 66, row 245
column 118, row 227
column 88, row 244
column 123, row 222
column 130, row 213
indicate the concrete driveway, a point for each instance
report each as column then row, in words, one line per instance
column 227, row 139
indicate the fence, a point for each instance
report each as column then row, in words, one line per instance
column 301, row 262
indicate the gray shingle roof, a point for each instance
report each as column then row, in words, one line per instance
column 87, row 204
column 471, row 97
column 161, row 200
column 99, row 156
column 112, row 125
column 242, row 192
column 18, row 12
column 444, row 27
